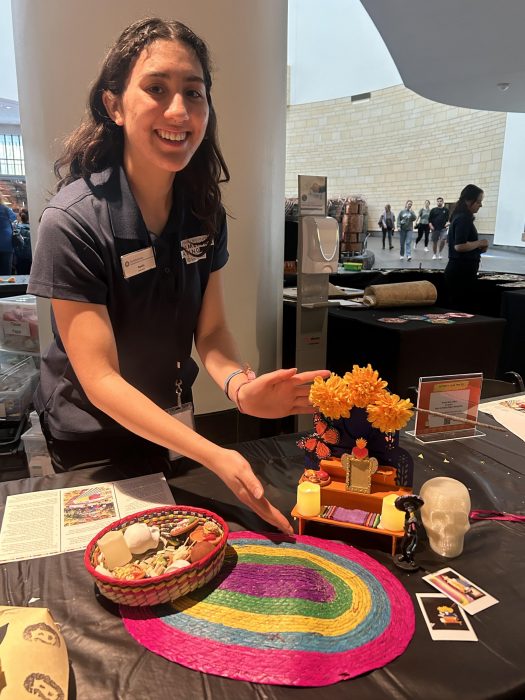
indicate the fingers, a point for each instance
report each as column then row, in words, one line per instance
column 269, row 513
column 308, row 377
column 280, row 375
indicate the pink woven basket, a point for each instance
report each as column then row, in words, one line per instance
column 159, row 589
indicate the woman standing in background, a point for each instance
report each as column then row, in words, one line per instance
column 423, row 227
column 464, row 250
column 387, row 224
column 405, row 221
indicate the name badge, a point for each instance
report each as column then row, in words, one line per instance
column 138, row 262
column 184, row 414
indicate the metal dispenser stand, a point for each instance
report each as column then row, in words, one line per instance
column 318, row 256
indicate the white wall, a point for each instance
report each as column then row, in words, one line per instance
column 510, row 216
column 59, row 46
column 335, row 51
column 8, row 87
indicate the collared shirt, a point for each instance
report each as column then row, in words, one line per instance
column 84, row 231
column 462, row 230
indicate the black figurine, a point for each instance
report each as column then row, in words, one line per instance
column 410, row 505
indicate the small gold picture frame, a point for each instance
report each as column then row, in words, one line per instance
column 359, row 472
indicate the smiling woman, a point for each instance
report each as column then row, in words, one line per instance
column 131, row 251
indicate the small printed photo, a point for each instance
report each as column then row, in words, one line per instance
column 515, row 404
column 444, row 619
column 468, row 595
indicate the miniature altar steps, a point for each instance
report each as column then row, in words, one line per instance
column 336, row 494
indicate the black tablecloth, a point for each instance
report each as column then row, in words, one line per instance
column 107, row 664
column 513, row 349
column 402, row 353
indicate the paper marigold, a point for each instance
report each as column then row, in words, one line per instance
column 332, row 397
column 389, row 413
column 365, row 385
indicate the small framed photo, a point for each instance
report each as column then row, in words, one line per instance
column 467, row 595
column 444, row 619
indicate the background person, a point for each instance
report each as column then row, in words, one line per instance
column 464, row 250
column 423, row 227
column 405, row 223
column 7, row 219
column 22, row 244
column 438, row 221
column 387, row 224
column 142, row 173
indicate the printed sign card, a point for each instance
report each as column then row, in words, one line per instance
column 445, row 405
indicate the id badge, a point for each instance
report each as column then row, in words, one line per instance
column 184, row 414
column 138, row 262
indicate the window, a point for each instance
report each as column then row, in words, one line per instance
column 11, row 155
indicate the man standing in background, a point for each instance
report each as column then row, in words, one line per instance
column 438, row 221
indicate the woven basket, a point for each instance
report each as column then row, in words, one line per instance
column 159, row 589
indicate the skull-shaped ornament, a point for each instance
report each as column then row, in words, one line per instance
column 445, row 514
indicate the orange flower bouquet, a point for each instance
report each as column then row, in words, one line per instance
column 355, row 406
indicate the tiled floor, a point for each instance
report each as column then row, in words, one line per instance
column 494, row 260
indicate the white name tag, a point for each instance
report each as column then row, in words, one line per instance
column 138, row 262
column 185, row 415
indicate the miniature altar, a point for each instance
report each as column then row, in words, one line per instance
column 383, row 483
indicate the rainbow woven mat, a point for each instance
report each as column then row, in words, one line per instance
column 284, row 611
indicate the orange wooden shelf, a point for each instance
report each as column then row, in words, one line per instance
column 336, row 494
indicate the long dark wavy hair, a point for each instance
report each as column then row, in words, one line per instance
column 98, row 142
column 470, row 193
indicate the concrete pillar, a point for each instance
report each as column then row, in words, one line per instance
column 59, row 47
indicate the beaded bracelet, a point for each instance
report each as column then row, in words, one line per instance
column 250, row 376
column 229, row 378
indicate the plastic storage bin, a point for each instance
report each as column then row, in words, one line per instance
column 38, row 460
column 18, row 379
column 19, row 323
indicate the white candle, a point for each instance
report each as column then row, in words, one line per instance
column 114, row 548
column 309, row 499
column 391, row 518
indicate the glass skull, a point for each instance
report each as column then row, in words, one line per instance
column 445, row 514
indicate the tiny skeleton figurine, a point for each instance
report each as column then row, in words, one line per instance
column 359, row 468
column 410, row 504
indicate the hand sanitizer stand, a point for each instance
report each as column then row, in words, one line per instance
column 318, row 256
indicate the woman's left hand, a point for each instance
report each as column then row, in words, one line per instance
column 278, row 394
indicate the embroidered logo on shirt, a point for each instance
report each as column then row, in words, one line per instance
column 194, row 249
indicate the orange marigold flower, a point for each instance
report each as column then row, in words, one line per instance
column 389, row 413
column 332, row 397
column 365, row 385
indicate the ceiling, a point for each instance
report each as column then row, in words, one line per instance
column 9, row 113
column 457, row 51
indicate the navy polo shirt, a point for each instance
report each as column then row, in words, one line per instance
column 462, row 230
column 83, row 233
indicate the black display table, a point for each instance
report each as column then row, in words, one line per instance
column 402, row 353
column 106, row 663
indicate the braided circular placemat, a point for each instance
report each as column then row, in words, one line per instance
column 284, row 611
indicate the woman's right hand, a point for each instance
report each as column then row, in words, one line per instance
column 483, row 244
column 237, row 474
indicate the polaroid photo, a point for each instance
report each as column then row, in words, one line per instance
column 467, row 595
column 445, row 620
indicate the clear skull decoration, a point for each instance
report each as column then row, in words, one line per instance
column 445, row 514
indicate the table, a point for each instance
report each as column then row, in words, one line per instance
column 513, row 350
column 13, row 289
column 402, row 353
column 106, row 663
